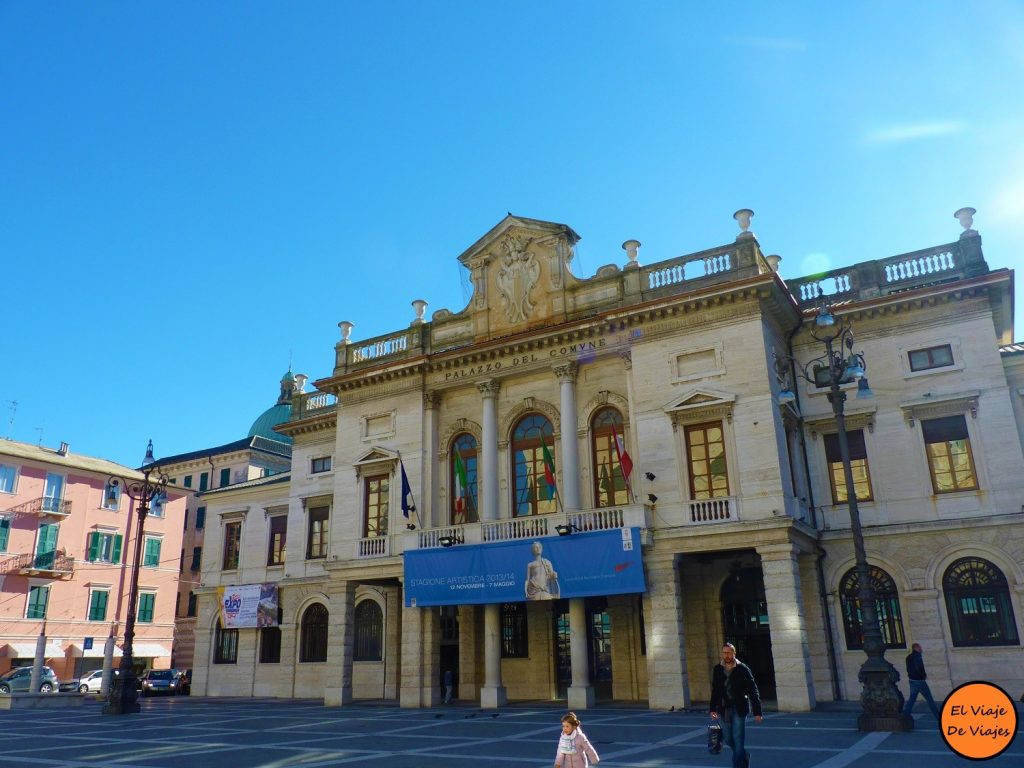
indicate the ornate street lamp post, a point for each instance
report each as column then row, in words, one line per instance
column 123, row 697
column 840, row 365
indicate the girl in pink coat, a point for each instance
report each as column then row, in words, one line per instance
column 574, row 750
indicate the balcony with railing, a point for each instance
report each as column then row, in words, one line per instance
column 724, row 509
column 44, row 507
column 882, row 277
column 308, row 404
column 52, row 565
column 519, row 528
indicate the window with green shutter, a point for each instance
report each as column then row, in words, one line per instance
column 188, row 481
column 200, row 518
column 103, row 547
column 204, row 481
column 37, row 600
column 98, row 605
column 5, row 532
column 225, row 477
column 147, row 601
column 151, row 557
column 191, row 604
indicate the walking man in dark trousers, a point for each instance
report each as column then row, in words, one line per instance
column 918, row 681
column 449, row 685
column 733, row 695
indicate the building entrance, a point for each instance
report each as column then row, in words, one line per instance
column 745, row 625
column 450, row 646
column 599, row 647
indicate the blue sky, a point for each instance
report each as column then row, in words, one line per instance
column 193, row 194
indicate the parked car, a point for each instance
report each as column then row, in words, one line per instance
column 160, row 681
column 90, row 682
column 18, row 680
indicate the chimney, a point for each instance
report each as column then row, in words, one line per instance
column 63, row 450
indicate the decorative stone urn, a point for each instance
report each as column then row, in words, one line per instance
column 773, row 261
column 419, row 307
column 346, row 331
column 742, row 217
column 631, row 247
column 966, row 218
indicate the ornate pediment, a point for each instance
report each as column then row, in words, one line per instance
column 376, row 455
column 862, row 418
column 700, row 404
column 940, row 406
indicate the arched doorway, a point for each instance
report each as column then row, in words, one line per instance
column 745, row 625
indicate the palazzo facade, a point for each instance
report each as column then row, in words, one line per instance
column 735, row 502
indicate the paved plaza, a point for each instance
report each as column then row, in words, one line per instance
column 261, row 733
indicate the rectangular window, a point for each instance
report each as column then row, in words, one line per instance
column 8, row 474
column 103, row 547
column 188, row 481
column 225, row 477
column 200, row 518
column 514, row 643
column 147, row 602
column 225, row 649
column 705, row 448
column 151, row 554
column 98, row 604
column 191, row 610
column 232, row 543
column 932, row 357
column 375, row 506
column 319, row 529
column 278, row 535
column 158, row 505
column 185, row 527
column 270, row 645
column 321, row 464
column 197, row 558
column 53, row 493
column 111, row 496
column 858, row 463
column 181, row 562
column 5, row 532
column 949, row 454
column 38, row 597
column 204, row 481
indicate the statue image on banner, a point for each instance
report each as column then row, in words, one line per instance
column 541, row 577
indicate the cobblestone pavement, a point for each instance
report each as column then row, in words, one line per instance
column 262, row 733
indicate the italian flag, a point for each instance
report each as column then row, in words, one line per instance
column 461, row 484
column 549, row 469
column 625, row 462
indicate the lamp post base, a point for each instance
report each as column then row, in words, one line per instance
column 881, row 699
column 123, row 698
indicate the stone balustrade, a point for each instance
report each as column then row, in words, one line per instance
column 725, row 509
column 306, row 404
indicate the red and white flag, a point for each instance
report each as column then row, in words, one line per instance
column 625, row 463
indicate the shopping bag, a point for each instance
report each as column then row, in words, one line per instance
column 714, row 738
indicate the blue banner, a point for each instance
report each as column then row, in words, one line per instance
column 547, row 568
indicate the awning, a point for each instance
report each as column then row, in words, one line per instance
column 149, row 650
column 96, row 652
column 28, row 651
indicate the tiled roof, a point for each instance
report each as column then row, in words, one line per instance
column 1012, row 349
column 282, row 477
column 69, row 460
column 255, row 443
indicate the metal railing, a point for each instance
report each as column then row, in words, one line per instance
column 43, row 507
column 43, row 562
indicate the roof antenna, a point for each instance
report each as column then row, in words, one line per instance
column 12, row 406
column 39, row 442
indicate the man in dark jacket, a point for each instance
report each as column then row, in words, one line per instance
column 733, row 695
column 918, row 680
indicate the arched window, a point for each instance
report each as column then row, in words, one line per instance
column 225, row 645
column 462, row 480
column 369, row 631
column 887, row 606
column 978, row 602
column 609, row 482
column 532, row 436
column 313, row 641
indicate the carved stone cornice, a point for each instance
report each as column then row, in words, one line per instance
column 939, row 406
column 699, row 405
column 567, row 371
column 825, row 423
column 489, row 389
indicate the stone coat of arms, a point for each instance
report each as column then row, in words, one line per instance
column 518, row 274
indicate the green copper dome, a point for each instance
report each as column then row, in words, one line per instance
column 277, row 413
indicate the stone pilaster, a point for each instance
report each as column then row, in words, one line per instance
column 488, row 461
column 581, row 692
column 338, row 686
column 668, row 683
column 421, row 658
column 430, row 513
column 493, row 693
column 469, row 684
column 793, row 682
column 566, row 374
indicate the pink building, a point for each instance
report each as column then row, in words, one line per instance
column 66, row 547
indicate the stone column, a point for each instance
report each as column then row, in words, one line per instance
column 794, row 684
column 421, row 658
column 631, row 445
column 338, row 686
column 668, row 682
column 489, row 451
column 430, row 513
column 108, row 664
column 581, row 692
column 37, row 663
column 493, row 694
column 469, row 685
column 566, row 374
